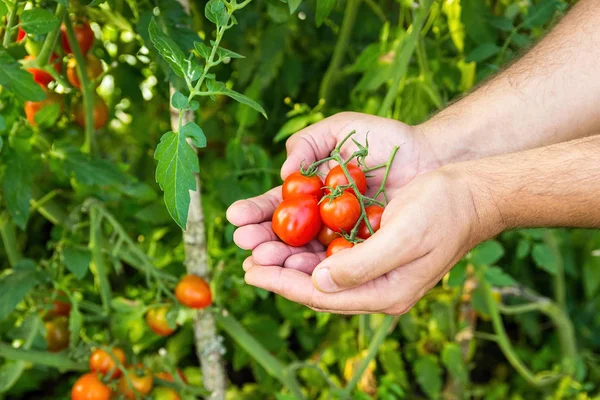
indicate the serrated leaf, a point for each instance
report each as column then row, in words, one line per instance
column 17, row 80
column 216, row 12
column 453, row 361
column 38, row 21
column 18, row 181
column 14, row 288
column 168, row 49
column 487, row 253
column 192, row 131
column 294, row 4
column 48, row 115
column 202, row 50
column 543, row 258
column 324, row 8
column 176, row 164
column 497, row 277
column 291, row 126
column 77, row 261
column 483, row 52
column 179, row 101
column 429, row 375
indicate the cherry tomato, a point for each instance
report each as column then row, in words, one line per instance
column 193, row 291
column 326, row 235
column 296, row 220
column 340, row 214
column 57, row 334
column 374, row 215
column 156, row 319
column 297, row 184
column 84, row 35
column 93, row 68
column 163, row 393
column 102, row 362
column 42, row 77
column 336, row 177
column 142, row 384
column 100, row 113
column 21, row 35
column 90, row 387
column 33, row 107
column 60, row 306
column 166, row 376
column 338, row 244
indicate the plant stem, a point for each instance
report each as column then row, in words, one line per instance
column 95, row 247
column 332, row 72
column 559, row 276
column 12, row 17
column 9, row 238
column 43, row 56
column 56, row 360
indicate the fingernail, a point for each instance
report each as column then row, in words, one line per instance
column 323, row 281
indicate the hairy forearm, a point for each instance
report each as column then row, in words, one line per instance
column 553, row 186
column 549, row 96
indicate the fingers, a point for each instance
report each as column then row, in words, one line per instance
column 255, row 210
column 304, row 262
column 276, row 253
column 250, row 236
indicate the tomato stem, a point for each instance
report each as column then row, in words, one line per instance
column 43, row 57
column 12, row 17
column 389, row 163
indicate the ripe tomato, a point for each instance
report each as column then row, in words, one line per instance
column 374, row 215
column 156, row 319
column 83, row 34
column 340, row 214
column 338, row 244
column 142, row 384
column 166, row 376
column 336, row 177
column 57, row 334
column 60, row 306
column 297, row 184
column 103, row 363
column 100, row 113
column 164, row 393
column 296, row 220
column 326, row 235
column 193, row 291
column 21, row 35
column 93, row 68
column 42, row 77
column 90, row 387
column 33, row 107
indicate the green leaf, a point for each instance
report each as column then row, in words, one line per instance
column 294, row 4
column 453, row 360
column 474, row 15
column 216, row 12
column 478, row 301
column 392, row 362
column 242, row 99
column 17, row 80
column 487, row 253
column 458, row 274
column 38, row 21
column 483, row 52
column 2, row 124
column 3, row 12
column 591, row 276
column 523, row 249
column 48, row 115
column 543, row 258
column 541, row 13
column 1, row 143
column 324, row 8
column 90, row 171
column 14, row 288
column 168, row 49
column 179, row 101
column 292, row 126
column 223, row 53
column 75, row 322
column 429, row 375
column 195, row 134
column 202, row 50
column 497, row 277
column 18, row 181
column 77, row 260
column 502, row 23
column 177, row 162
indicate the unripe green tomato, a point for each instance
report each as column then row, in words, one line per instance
column 32, row 46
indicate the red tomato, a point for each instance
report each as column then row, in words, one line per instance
column 100, row 113
column 21, row 35
column 340, row 214
column 326, row 235
column 103, row 363
column 89, row 387
column 84, row 35
column 163, row 393
column 336, row 177
column 193, row 291
column 142, row 384
column 374, row 215
column 40, row 76
column 338, row 244
column 296, row 220
column 166, row 376
column 57, row 334
column 297, row 185
column 93, row 68
column 60, row 306
column 156, row 319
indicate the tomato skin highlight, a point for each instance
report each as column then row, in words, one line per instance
column 93, row 68
column 42, row 77
column 156, row 318
column 102, row 362
column 297, row 185
column 336, row 177
column 57, row 334
column 33, row 107
column 90, row 387
column 326, row 235
column 141, row 384
column 338, row 244
column 194, row 292
column 340, row 214
column 84, row 35
column 296, row 220
column 100, row 113
column 374, row 214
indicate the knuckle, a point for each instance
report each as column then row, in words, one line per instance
column 354, row 276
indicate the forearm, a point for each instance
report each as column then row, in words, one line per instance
column 554, row 186
column 548, row 96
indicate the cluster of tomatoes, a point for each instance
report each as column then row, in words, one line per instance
column 93, row 68
column 56, row 323
column 329, row 211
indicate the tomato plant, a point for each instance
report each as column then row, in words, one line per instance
column 84, row 35
column 298, row 184
column 338, row 244
column 193, row 291
column 296, row 220
column 93, row 68
column 100, row 113
column 90, row 387
column 341, row 213
column 337, row 177
column 142, row 383
column 104, row 363
column 57, row 334
column 52, row 101
column 156, row 318
column 42, row 77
